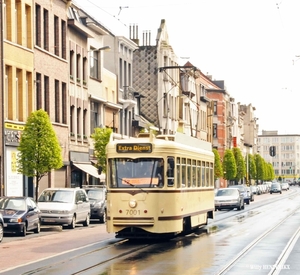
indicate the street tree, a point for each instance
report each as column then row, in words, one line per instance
column 218, row 169
column 240, row 164
column 259, row 163
column 39, row 149
column 101, row 137
column 229, row 165
column 251, row 167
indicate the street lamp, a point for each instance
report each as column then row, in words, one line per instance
column 105, row 49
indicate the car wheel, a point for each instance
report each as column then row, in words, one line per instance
column 87, row 220
column 72, row 225
column 103, row 218
column 1, row 232
column 38, row 228
column 24, row 232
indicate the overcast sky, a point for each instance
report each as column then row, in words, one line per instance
column 253, row 45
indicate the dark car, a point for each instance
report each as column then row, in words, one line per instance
column 1, row 228
column 275, row 188
column 20, row 214
column 244, row 191
column 229, row 198
column 97, row 198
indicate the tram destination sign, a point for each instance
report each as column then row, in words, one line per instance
column 134, row 147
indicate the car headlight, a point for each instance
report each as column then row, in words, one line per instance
column 18, row 220
column 64, row 212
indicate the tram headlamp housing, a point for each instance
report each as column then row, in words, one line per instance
column 132, row 203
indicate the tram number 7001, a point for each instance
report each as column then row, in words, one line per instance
column 132, row 212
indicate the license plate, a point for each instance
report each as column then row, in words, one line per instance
column 49, row 220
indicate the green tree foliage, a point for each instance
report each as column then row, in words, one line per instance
column 252, row 167
column 259, row 163
column 218, row 169
column 240, row 164
column 39, row 149
column 101, row 138
column 229, row 165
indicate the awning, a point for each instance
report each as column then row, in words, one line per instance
column 89, row 169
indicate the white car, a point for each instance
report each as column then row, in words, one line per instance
column 64, row 206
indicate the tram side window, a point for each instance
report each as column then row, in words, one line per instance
column 202, row 173
column 194, row 175
column 211, row 174
column 198, row 173
column 207, row 172
column 183, row 172
column 112, row 172
column 178, row 166
column 170, row 171
column 189, row 172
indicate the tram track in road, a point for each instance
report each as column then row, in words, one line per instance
column 250, row 259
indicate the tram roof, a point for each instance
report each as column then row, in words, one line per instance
column 179, row 141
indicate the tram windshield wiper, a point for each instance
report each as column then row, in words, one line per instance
column 132, row 185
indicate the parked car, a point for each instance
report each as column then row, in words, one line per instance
column 1, row 227
column 253, row 189
column 64, row 206
column 97, row 197
column 20, row 215
column 244, row 192
column 249, row 190
column 229, row 198
column 285, row 186
column 275, row 188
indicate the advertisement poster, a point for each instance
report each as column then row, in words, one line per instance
column 14, row 180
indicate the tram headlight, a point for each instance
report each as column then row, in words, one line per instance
column 132, row 203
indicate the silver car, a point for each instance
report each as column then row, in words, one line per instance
column 229, row 198
column 64, row 206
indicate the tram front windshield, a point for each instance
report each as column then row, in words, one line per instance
column 141, row 172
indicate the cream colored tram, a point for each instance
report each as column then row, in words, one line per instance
column 158, row 186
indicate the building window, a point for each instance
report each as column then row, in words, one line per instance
column 78, row 67
column 38, row 88
column 28, row 26
column 38, row 27
column 19, row 94
column 46, row 29
column 64, row 102
column 18, row 22
column 46, row 95
column 84, row 71
column 63, row 39
column 5, row 19
column 121, row 74
column 94, row 116
column 72, row 109
column 8, row 96
column 56, row 35
column 215, row 130
column 78, row 120
column 94, row 64
column 57, row 101
column 84, row 122
column 72, row 54
column 215, row 108
column 29, row 95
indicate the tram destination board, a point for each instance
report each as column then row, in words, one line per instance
column 134, row 147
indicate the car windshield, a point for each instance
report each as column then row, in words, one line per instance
column 242, row 188
column 13, row 204
column 95, row 194
column 64, row 196
column 226, row 192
